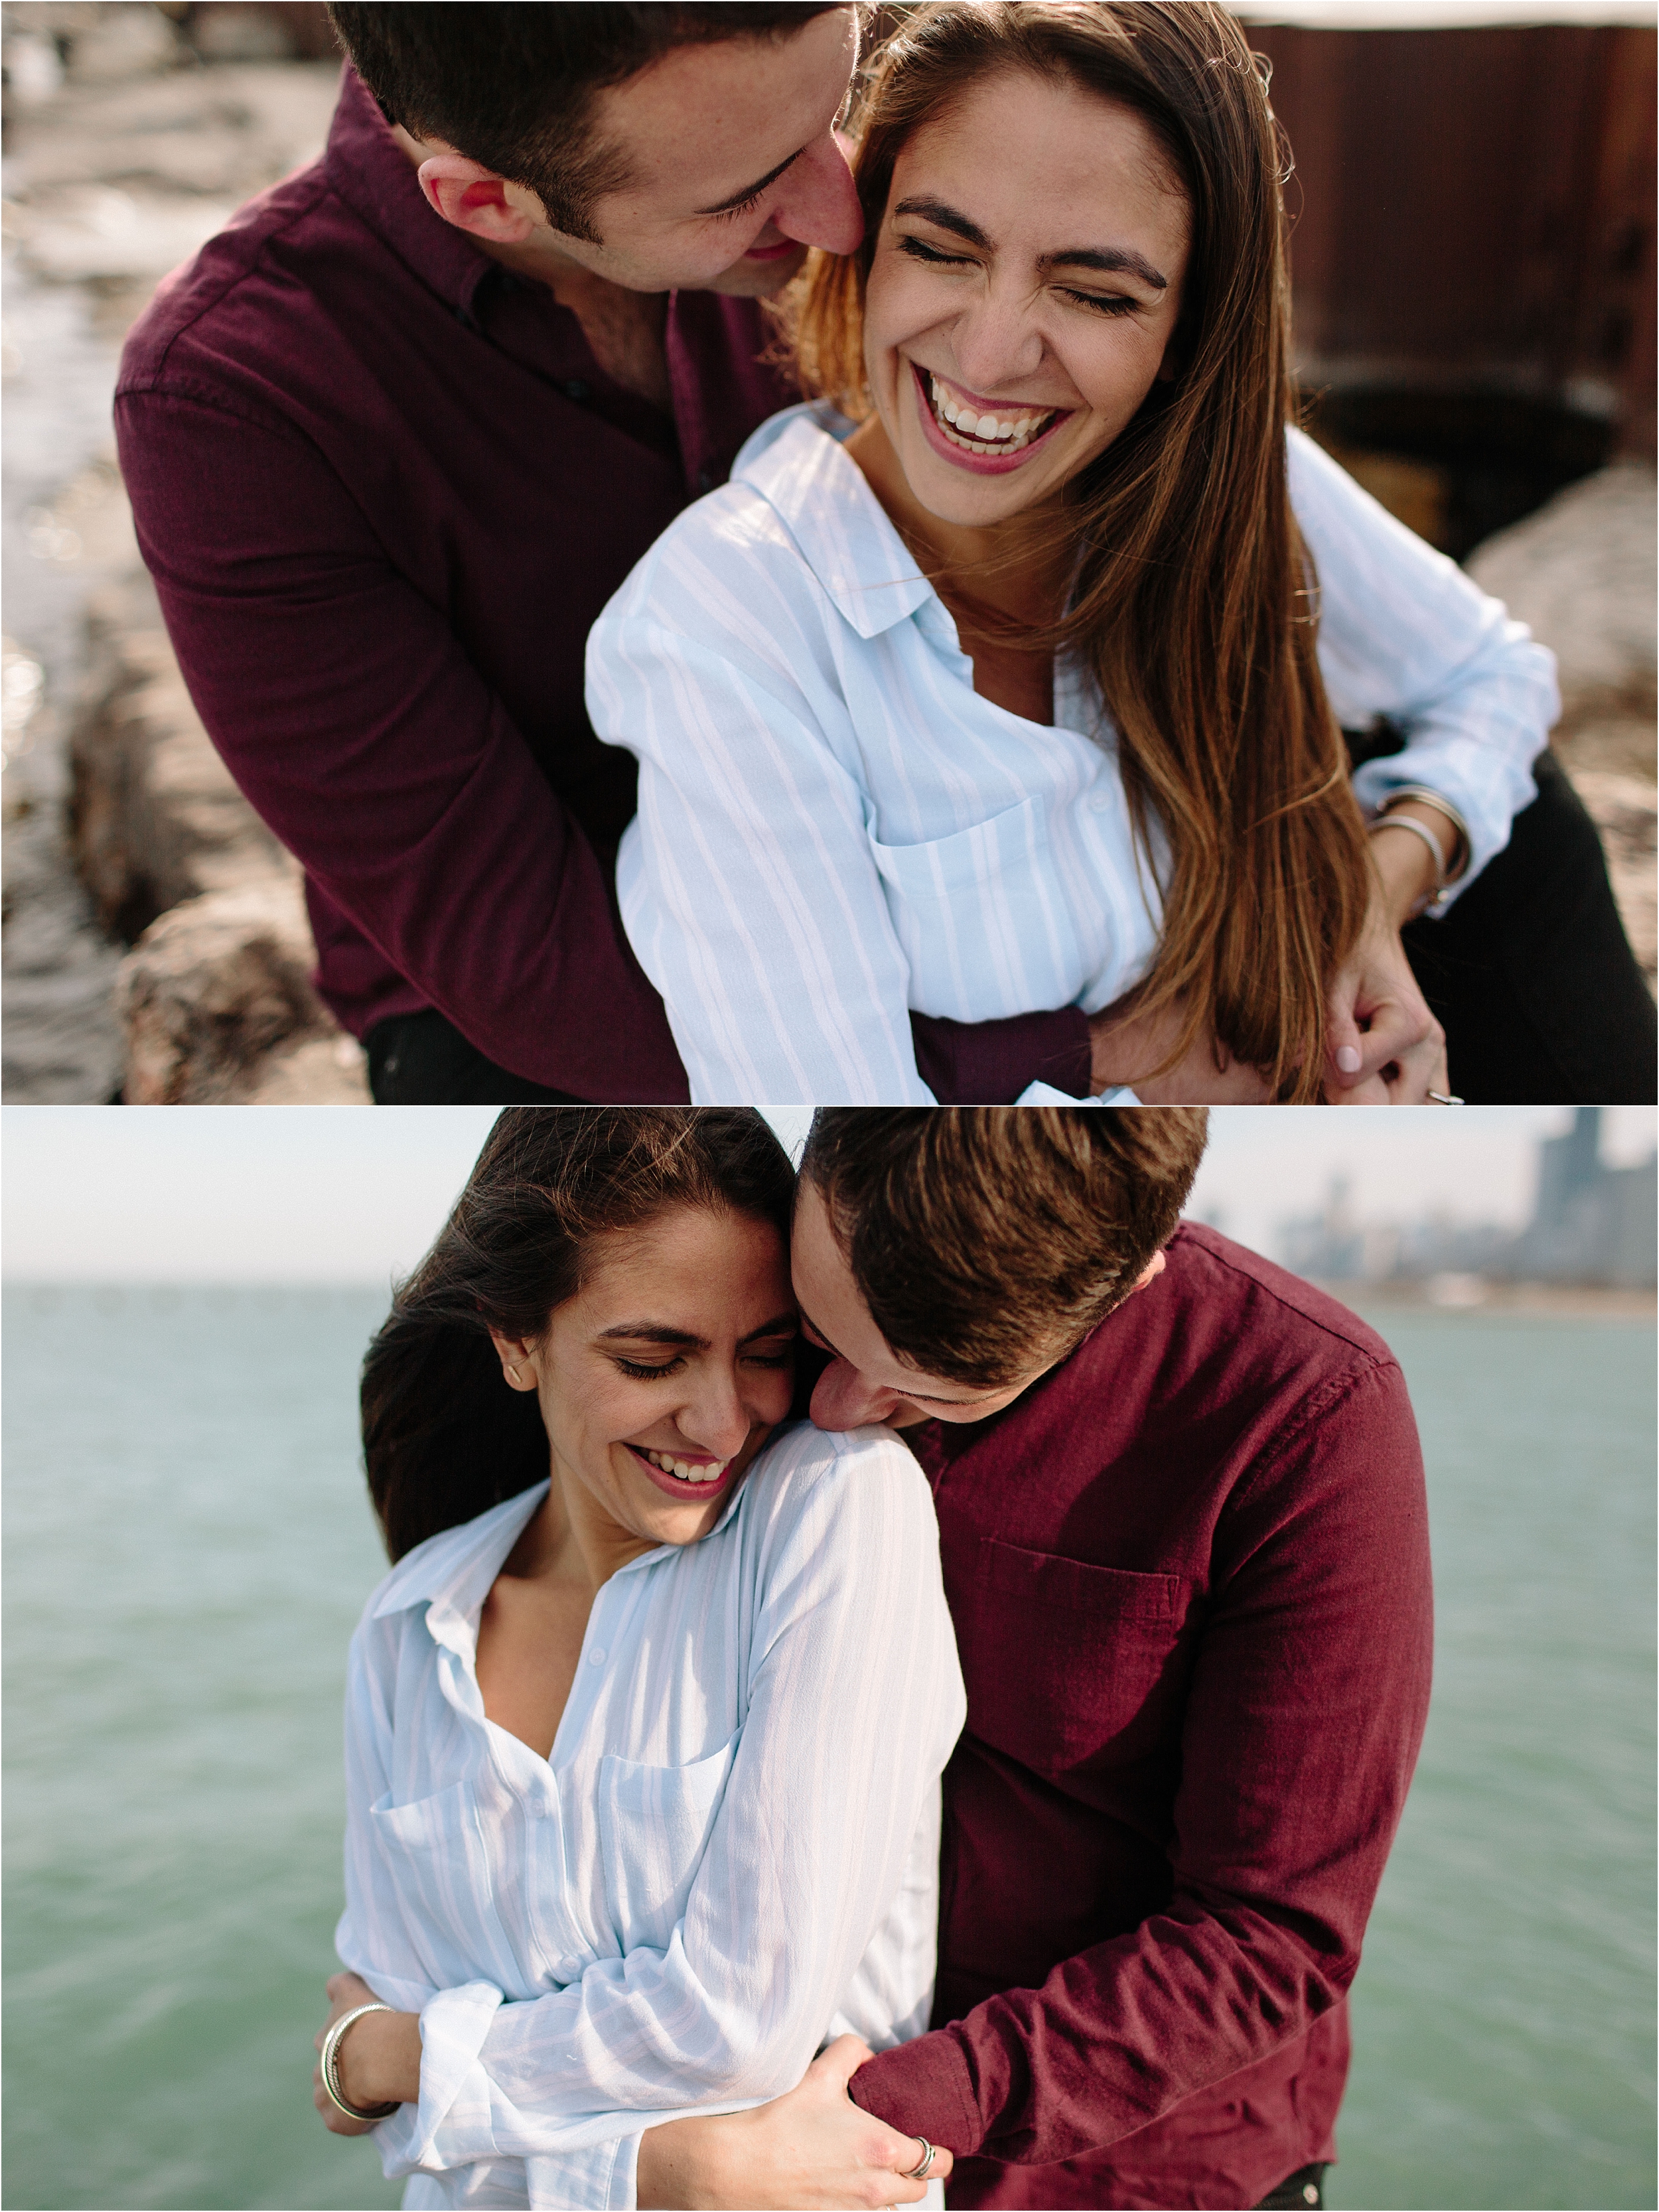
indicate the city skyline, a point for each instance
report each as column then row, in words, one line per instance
column 280, row 1194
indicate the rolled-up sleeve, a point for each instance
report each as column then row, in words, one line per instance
column 1404, row 635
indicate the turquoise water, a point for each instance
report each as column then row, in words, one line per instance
column 187, row 1546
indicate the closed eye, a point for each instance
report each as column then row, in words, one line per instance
column 920, row 251
column 643, row 1374
column 1115, row 303
column 740, row 207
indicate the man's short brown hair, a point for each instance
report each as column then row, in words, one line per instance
column 513, row 87
column 986, row 1239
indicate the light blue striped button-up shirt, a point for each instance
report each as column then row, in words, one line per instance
column 730, row 1856
column 834, row 829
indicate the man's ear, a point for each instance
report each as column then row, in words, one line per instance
column 1153, row 1269
column 475, row 199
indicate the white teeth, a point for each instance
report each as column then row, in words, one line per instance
column 967, row 428
column 684, row 1470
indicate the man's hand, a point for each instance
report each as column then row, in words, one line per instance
column 378, row 2063
column 813, row 2148
column 1123, row 1045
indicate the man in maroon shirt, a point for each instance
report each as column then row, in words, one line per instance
column 394, row 437
column 1184, row 1536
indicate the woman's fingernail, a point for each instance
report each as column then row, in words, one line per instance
column 1347, row 1059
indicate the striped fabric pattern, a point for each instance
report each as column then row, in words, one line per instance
column 835, row 830
column 731, row 1856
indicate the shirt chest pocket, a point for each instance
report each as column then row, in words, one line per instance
column 654, row 1827
column 982, row 923
column 435, row 1849
column 1068, row 1666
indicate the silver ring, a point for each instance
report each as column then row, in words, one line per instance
column 1446, row 1098
column 921, row 2172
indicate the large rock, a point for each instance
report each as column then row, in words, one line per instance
column 154, row 817
column 215, row 999
column 1584, row 574
column 216, row 1003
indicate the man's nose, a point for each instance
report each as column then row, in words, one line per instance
column 818, row 203
column 841, row 1399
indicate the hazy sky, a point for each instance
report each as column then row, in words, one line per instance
column 214, row 1193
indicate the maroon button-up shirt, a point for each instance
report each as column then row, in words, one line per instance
column 384, row 488
column 1189, row 1574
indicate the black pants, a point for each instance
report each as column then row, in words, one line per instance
column 422, row 1060
column 1303, row 2189
column 1530, row 973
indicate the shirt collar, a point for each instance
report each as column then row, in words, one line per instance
column 796, row 464
column 452, row 1574
column 366, row 166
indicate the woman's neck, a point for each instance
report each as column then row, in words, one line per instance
column 572, row 1540
column 989, row 580
column 995, row 566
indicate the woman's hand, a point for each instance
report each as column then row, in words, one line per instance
column 1383, row 1047
column 379, row 2060
column 813, row 2147
column 1123, row 1043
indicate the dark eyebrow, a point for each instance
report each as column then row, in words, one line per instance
column 656, row 1332
column 783, row 1324
column 1114, row 261
column 947, row 218
column 749, row 190
column 651, row 1332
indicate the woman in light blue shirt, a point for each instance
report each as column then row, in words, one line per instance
column 644, row 1730
column 1024, row 692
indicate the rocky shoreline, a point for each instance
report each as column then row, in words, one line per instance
column 156, row 941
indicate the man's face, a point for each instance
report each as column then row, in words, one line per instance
column 866, row 1381
column 734, row 166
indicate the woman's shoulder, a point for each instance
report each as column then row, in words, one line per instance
column 858, row 1479
column 797, row 519
column 440, row 1567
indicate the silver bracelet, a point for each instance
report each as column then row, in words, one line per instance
column 1425, row 797
column 1433, row 899
column 331, row 2064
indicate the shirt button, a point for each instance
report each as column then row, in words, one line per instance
column 1099, row 803
column 596, row 1657
column 575, row 389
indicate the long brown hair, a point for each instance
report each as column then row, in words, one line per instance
column 1194, row 604
column 444, row 1438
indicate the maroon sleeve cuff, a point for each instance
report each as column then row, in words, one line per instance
column 922, row 2089
column 990, row 1063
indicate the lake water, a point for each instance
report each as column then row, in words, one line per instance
column 188, row 1544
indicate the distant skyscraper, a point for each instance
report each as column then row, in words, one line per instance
column 1591, row 1223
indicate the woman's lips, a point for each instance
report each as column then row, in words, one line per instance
column 683, row 1488
column 990, row 463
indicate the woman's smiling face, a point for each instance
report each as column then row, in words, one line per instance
column 1023, row 294
column 661, row 1378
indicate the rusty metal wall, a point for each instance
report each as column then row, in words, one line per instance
column 1475, row 206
